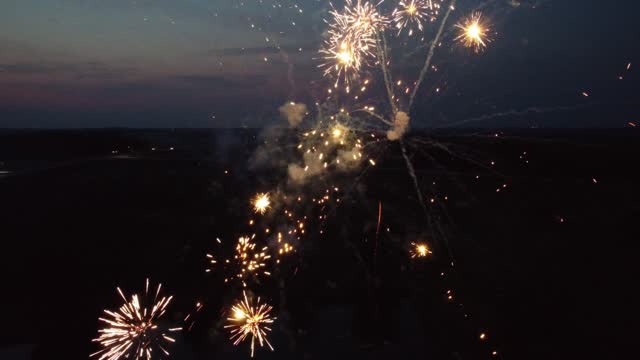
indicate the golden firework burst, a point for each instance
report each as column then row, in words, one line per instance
column 419, row 250
column 250, row 320
column 351, row 40
column 133, row 330
column 261, row 203
column 474, row 32
column 412, row 14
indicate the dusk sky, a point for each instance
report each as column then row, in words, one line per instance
column 213, row 63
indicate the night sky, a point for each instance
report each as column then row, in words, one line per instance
column 213, row 63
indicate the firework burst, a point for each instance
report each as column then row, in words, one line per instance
column 343, row 60
column 412, row 14
column 351, row 41
column 261, row 203
column 339, row 133
column 364, row 19
column 473, row 32
column 250, row 320
column 133, row 330
column 419, row 250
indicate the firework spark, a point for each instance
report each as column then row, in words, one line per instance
column 133, row 330
column 419, row 250
column 250, row 320
column 248, row 260
column 283, row 246
column 473, row 32
column 414, row 13
column 261, row 203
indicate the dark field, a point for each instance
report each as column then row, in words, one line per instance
column 545, row 267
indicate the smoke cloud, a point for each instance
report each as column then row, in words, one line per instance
column 312, row 166
column 294, row 113
column 400, row 126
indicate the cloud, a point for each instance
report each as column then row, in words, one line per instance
column 293, row 113
column 28, row 68
column 79, row 70
column 12, row 48
column 223, row 83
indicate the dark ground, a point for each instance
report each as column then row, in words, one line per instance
column 545, row 267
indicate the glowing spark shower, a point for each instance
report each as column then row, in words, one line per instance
column 248, row 261
column 343, row 59
column 133, row 331
column 250, row 320
column 363, row 18
column 412, row 14
column 474, row 32
column 351, row 40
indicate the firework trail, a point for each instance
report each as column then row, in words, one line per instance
column 513, row 112
column 382, row 59
column 412, row 172
column 432, row 49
